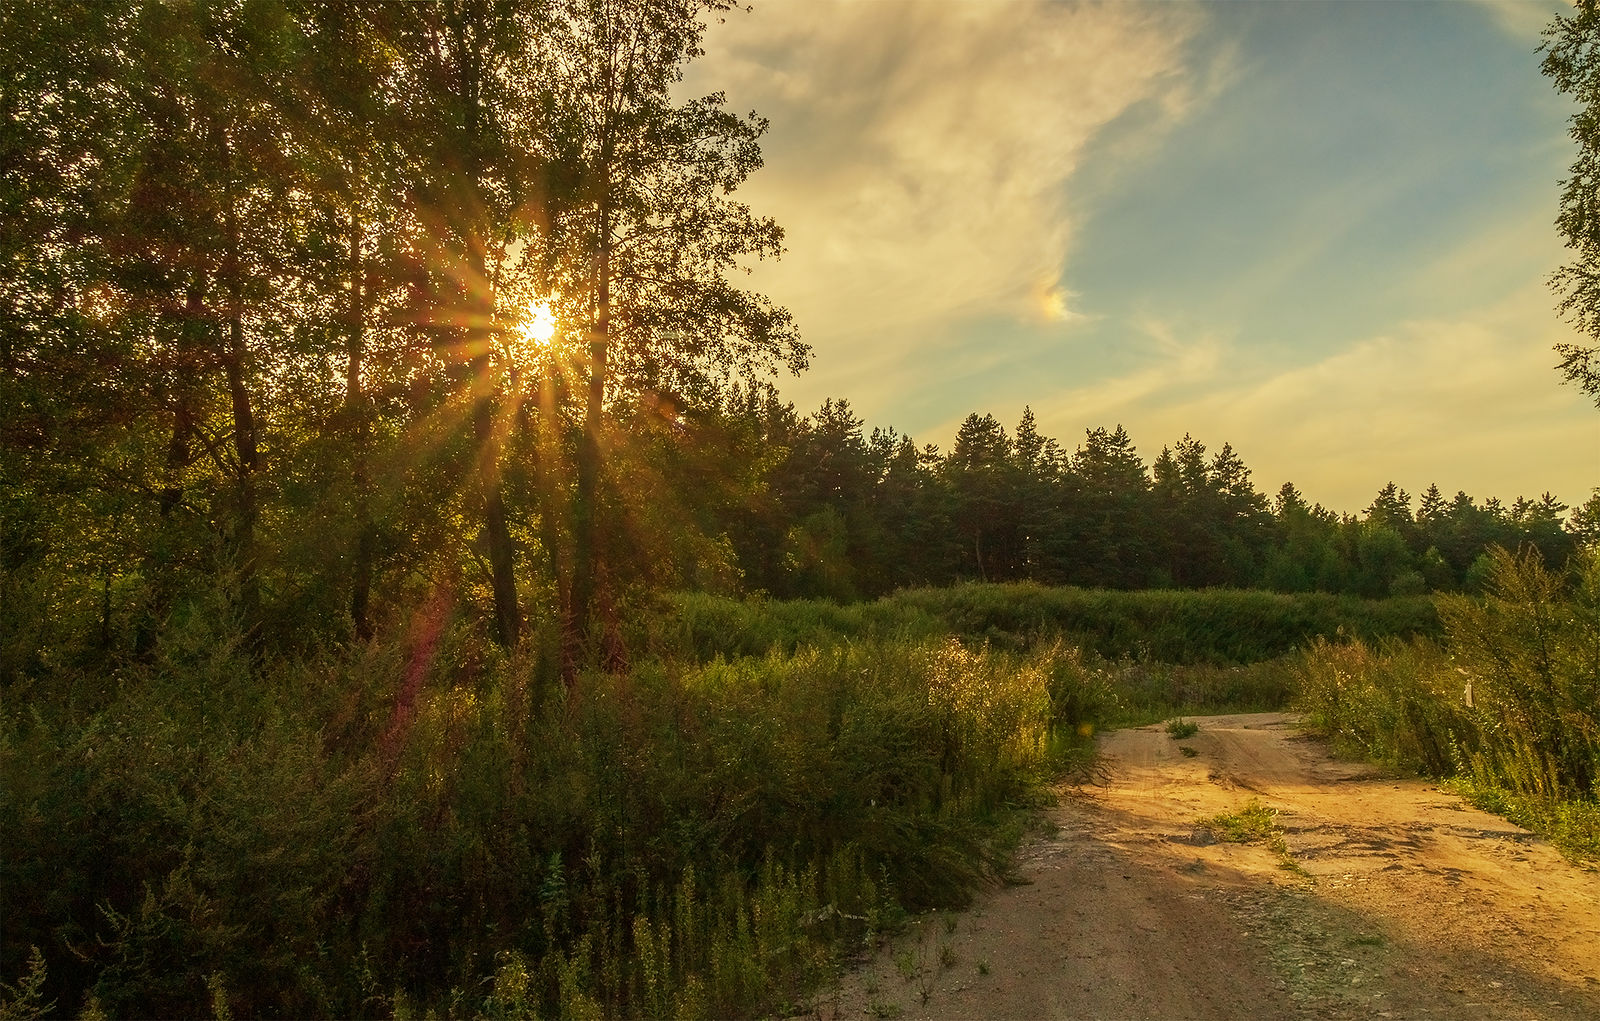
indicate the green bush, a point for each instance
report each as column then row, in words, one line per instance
column 1530, row 656
column 424, row 823
column 1509, row 704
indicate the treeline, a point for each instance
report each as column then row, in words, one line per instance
column 833, row 510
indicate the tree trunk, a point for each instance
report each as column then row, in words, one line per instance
column 356, row 410
column 486, row 446
column 244, row 425
column 502, row 562
column 185, row 373
column 587, row 552
column 182, row 404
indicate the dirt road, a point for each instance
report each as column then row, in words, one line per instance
column 1386, row 898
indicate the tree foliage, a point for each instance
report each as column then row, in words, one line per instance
column 1572, row 62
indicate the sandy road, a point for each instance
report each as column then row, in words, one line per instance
column 1396, row 901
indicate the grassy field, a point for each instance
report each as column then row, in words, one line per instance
column 418, row 827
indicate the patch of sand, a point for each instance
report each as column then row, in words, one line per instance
column 1400, row 902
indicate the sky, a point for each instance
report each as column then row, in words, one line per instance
column 1318, row 231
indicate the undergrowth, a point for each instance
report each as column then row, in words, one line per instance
column 1254, row 823
column 419, row 829
column 1178, row 729
column 419, row 826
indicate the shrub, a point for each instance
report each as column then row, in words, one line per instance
column 1510, row 704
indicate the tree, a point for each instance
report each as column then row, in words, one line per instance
column 73, row 419
column 1040, row 491
column 1192, row 514
column 1245, row 521
column 1584, row 524
column 479, row 168
column 642, row 237
column 980, row 474
column 912, row 511
column 1572, row 61
column 1114, row 526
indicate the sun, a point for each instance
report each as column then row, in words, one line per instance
column 540, row 325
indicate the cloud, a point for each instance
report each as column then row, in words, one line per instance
column 1524, row 19
column 1171, row 362
column 1470, row 403
column 920, row 153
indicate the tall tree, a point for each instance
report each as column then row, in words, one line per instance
column 981, row 476
column 1039, row 467
column 1572, row 62
column 470, row 92
column 1116, row 524
column 644, row 236
column 1584, row 524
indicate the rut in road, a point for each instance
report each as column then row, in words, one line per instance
column 1385, row 898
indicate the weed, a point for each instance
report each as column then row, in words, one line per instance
column 25, row 1001
column 1255, row 823
column 947, row 957
column 882, row 1009
column 983, row 967
column 425, row 824
column 1178, row 729
column 619, row 837
column 905, row 960
column 1211, row 627
column 1188, row 752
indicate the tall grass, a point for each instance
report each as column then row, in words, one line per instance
column 1214, row 626
column 1508, row 705
column 416, row 827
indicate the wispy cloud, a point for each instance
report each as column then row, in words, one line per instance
column 1470, row 403
column 920, row 152
column 1525, row 19
column 1172, row 362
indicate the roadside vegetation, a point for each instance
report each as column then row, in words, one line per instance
column 420, row 825
column 425, row 825
column 1506, row 705
column 1178, row 729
